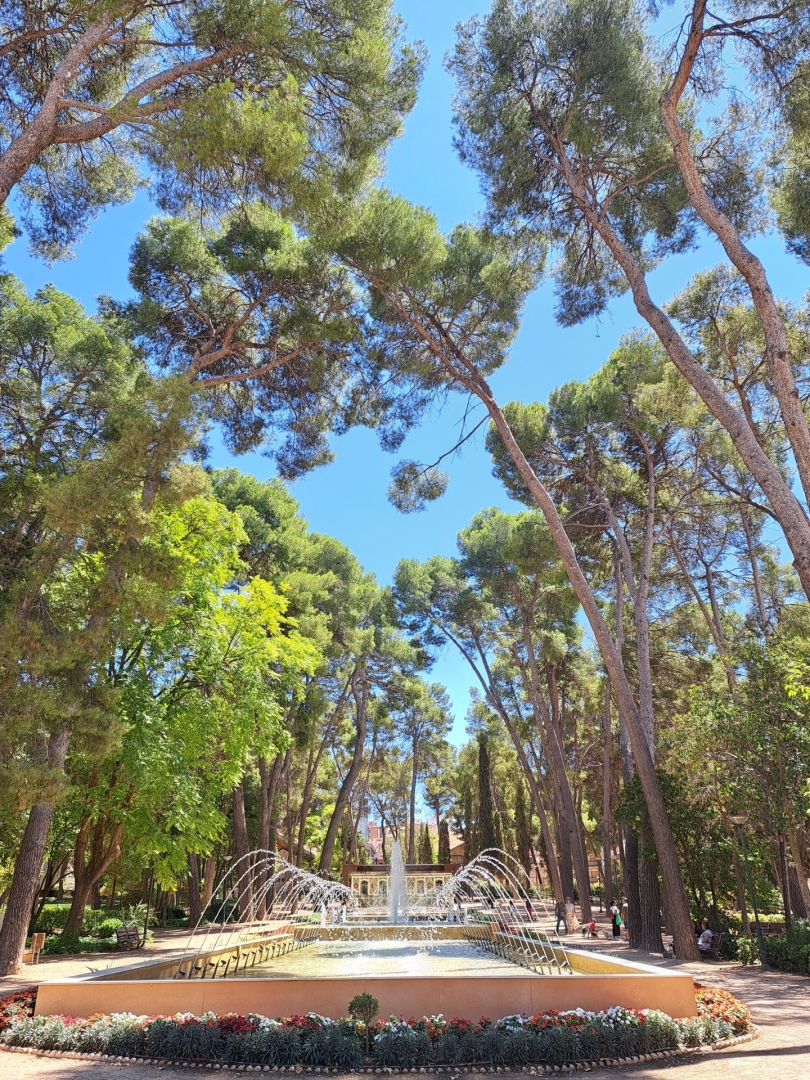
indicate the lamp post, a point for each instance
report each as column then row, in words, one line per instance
column 148, row 901
column 738, row 820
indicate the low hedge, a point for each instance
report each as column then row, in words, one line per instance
column 790, row 951
column 550, row 1038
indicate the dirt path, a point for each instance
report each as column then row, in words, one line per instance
column 780, row 1006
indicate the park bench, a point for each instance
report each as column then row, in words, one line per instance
column 713, row 952
column 31, row 954
column 129, row 937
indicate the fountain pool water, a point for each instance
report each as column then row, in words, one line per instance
column 401, row 957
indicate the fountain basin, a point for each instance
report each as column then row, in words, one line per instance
column 597, row 983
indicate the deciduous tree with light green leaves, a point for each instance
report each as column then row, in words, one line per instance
column 82, row 424
column 201, row 692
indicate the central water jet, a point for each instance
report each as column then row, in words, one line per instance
column 397, row 896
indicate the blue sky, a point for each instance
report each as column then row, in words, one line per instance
column 348, row 498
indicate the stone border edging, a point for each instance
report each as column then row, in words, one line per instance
column 527, row 1070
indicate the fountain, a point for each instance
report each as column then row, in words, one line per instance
column 304, row 944
column 397, row 893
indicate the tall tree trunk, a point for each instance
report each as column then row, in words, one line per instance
column 635, row 930
column 25, row 880
column 209, row 878
column 678, row 905
column 194, row 907
column 787, row 508
column 649, row 895
column 799, row 852
column 360, row 692
column 564, row 850
column 23, row 150
column 411, row 858
column 783, row 879
column 777, row 351
column 103, row 852
column 306, row 799
column 549, row 726
column 268, row 777
column 241, row 847
column 607, row 799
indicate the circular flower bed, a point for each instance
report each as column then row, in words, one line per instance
column 550, row 1038
column 721, row 1005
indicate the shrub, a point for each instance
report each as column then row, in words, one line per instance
column 747, row 950
column 550, row 1038
column 791, row 951
column 107, row 927
column 61, row 944
column 52, row 917
column 365, row 1008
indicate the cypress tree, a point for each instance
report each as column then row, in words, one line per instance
column 488, row 830
column 444, row 841
column 425, row 853
column 523, row 831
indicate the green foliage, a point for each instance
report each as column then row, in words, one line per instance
column 51, row 917
column 790, row 951
column 550, row 1039
column 424, row 853
column 577, row 83
column 444, row 842
column 364, row 1007
column 292, row 102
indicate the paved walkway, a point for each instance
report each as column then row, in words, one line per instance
column 780, row 1007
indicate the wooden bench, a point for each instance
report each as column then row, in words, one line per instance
column 129, row 937
column 31, row 954
column 713, row 952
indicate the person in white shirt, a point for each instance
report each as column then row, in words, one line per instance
column 705, row 939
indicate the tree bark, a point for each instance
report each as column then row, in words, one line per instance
column 269, row 777
column 39, row 133
column 786, row 506
column 649, row 897
column 25, row 880
column 797, row 850
column 635, row 931
column 607, row 799
column 777, row 353
column 411, row 856
column 194, row 906
column 683, row 931
column 360, row 693
column 209, row 877
column 86, row 873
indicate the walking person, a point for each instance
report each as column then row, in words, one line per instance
column 571, row 920
column 559, row 911
column 615, row 919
